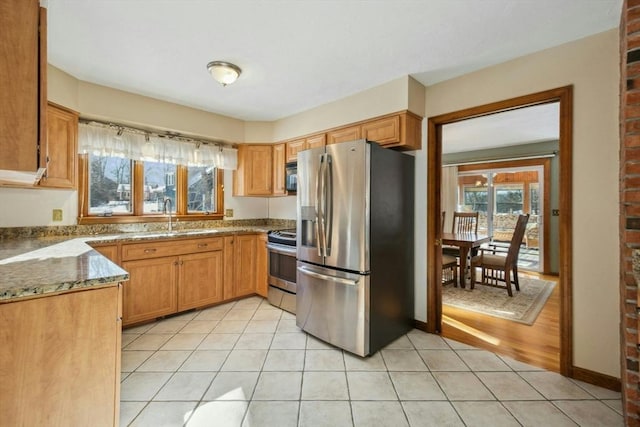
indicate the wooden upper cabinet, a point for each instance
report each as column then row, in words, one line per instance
column 383, row 131
column 294, row 147
column 254, row 174
column 278, row 170
column 261, row 170
column 23, row 91
column 316, row 141
column 402, row 131
column 345, row 134
column 60, row 151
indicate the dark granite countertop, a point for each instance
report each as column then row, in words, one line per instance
column 41, row 265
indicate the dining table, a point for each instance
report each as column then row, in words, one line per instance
column 466, row 242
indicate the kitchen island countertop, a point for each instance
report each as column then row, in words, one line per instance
column 37, row 266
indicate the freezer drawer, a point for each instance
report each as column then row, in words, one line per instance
column 334, row 306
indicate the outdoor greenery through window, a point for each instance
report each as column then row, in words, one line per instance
column 476, row 198
column 159, row 184
column 110, row 181
column 202, row 182
column 130, row 175
column 116, row 187
column 509, row 199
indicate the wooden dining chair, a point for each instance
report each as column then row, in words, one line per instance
column 449, row 270
column 465, row 222
column 449, row 263
column 497, row 268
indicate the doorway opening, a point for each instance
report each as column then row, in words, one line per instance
column 501, row 191
column 562, row 96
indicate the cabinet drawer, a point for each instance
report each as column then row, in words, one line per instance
column 170, row 248
column 202, row 245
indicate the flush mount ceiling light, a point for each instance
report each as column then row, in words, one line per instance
column 225, row 73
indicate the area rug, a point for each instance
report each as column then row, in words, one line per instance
column 523, row 307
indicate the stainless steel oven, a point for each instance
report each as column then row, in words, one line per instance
column 281, row 246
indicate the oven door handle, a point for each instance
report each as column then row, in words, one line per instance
column 282, row 251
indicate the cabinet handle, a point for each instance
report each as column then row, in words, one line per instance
column 202, row 245
column 149, row 251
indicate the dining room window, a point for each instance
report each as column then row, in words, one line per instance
column 509, row 199
column 476, row 199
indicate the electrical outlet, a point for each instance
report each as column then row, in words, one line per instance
column 228, row 213
column 57, row 215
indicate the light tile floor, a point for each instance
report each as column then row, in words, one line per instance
column 247, row 364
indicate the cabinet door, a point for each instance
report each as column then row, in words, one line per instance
column 57, row 349
column 229, row 267
column 383, row 131
column 245, row 264
column 316, row 141
column 260, row 167
column 151, row 290
column 293, row 147
column 254, row 174
column 60, row 151
column 262, row 283
column 22, row 81
column 350, row 133
column 279, row 170
column 200, row 279
column 110, row 251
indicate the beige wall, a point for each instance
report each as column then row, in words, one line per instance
column 384, row 99
column 591, row 65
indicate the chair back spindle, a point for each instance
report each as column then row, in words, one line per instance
column 465, row 222
column 516, row 239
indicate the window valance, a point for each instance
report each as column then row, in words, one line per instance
column 106, row 140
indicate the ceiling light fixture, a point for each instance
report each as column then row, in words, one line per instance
column 225, row 73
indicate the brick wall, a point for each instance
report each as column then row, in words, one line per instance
column 630, row 202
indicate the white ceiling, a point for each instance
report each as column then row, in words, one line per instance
column 515, row 127
column 298, row 54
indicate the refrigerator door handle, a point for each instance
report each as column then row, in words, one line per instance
column 319, row 219
column 321, row 276
column 328, row 205
column 323, row 201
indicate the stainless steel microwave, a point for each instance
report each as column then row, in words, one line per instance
column 291, row 177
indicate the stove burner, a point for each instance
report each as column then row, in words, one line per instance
column 283, row 237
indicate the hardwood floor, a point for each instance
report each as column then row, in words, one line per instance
column 538, row 344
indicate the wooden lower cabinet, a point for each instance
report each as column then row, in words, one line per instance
column 110, row 251
column 262, row 279
column 60, row 359
column 166, row 277
column 245, row 264
column 241, row 260
column 151, row 291
column 200, row 279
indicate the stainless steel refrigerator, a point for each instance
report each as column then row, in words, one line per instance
column 355, row 245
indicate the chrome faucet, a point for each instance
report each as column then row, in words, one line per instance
column 167, row 200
